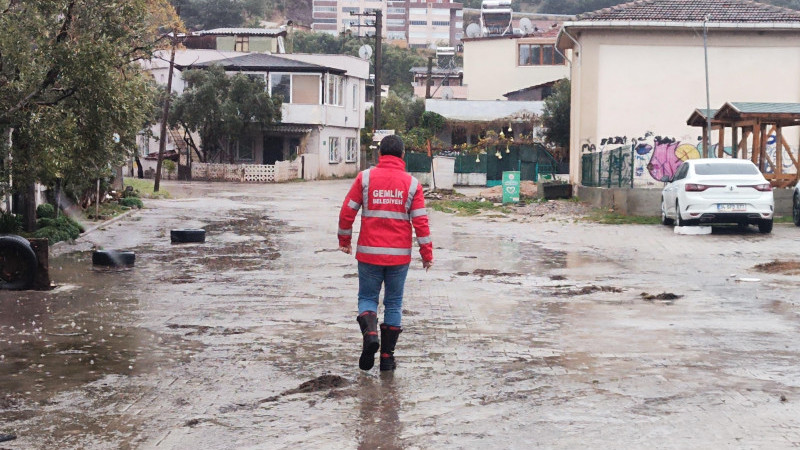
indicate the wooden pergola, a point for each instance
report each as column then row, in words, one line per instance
column 754, row 122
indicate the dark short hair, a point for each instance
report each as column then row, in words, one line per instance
column 392, row 145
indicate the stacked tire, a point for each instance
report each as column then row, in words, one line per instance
column 18, row 263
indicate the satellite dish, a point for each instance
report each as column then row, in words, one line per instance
column 447, row 93
column 526, row 25
column 473, row 30
column 365, row 52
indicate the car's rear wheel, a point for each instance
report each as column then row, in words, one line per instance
column 765, row 226
column 664, row 219
column 796, row 210
column 679, row 222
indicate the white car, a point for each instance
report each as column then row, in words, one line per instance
column 718, row 191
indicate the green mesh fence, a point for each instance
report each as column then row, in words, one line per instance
column 418, row 162
column 470, row 164
column 611, row 168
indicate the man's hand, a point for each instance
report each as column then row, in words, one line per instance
column 346, row 249
column 427, row 265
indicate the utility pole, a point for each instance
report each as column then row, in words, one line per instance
column 428, row 78
column 162, row 142
column 378, row 51
column 707, row 137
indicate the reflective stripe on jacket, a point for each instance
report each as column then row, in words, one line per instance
column 391, row 202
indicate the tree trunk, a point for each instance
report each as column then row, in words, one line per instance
column 139, row 170
column 29, row 211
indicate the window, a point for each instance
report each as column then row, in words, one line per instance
column 324, row 20
column 351, row 154
column 395, row 22
column 396, row 36
column 305, row 89
column 441, row 23
column 418, row 22
column 242, row 44
column 349, row 9
column 333, row 150
column 418, row 11
column 335, row 90
column 355, row 96
column 327, row 9
column 280, row 84
column 539, row 55
column 396, row 11
column 244, row 150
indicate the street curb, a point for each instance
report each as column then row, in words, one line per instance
column 95, row 227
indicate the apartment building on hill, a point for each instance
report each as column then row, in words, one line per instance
column 416, row 23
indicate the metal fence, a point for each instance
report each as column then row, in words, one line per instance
column 610, row 168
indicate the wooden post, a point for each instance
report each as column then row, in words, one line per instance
column 735, row 141
column 721, row 144
column 778, row 150
column 762, row 148
column 41, row 281
column 756, row 144
column 706, row 138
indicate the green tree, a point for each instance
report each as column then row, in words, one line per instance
column 555, row 117
column 221, row 109
column 209, row 14
column 70, row 87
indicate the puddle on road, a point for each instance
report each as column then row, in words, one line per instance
column 514, row 257
column 83, row 330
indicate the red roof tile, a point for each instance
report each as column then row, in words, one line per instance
column 693, row 11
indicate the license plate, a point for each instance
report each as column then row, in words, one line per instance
column 731, row 207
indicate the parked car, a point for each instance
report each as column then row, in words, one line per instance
column 796, row 205
column 718, row 191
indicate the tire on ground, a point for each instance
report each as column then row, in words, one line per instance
column 113, row 258
column 187, row 235
column 18, row 263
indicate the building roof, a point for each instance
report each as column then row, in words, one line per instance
column 483, row 110
column 259, row 62
column 763, row 108
column 242, row 32
column 699, row 117
column 737, row 11
column 456, row 71
column 531, row 88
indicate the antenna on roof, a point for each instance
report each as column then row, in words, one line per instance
column 526, row 25
column 473, row 30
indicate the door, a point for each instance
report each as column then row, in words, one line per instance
column 273, row 149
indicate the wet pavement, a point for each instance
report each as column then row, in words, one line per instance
column 527, row 332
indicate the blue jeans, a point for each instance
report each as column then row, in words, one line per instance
column 370, row 279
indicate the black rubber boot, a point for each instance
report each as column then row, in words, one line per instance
column 368, row 321
column 389, row 335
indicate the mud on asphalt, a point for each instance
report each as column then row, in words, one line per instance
column 549, row 333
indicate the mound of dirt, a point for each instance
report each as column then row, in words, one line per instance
column 777, row 266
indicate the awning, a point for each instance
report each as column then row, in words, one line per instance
column 289, row 129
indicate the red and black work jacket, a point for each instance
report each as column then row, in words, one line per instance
column 391, row 201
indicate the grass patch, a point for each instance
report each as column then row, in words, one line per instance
column 145, row 188
column 464, row 208
column 613, row 218
column 782, row 219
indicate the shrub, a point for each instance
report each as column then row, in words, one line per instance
column 56, row 230
column 130, row 192
column 10, row 223
column 131, row 202
column 46, row 210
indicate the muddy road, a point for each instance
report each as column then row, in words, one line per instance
column 527, row 332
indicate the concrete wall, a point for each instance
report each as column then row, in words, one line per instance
column 491, row 67
column 647, row 202
column 630, row 82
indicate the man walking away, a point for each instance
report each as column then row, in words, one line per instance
column 392, row 201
